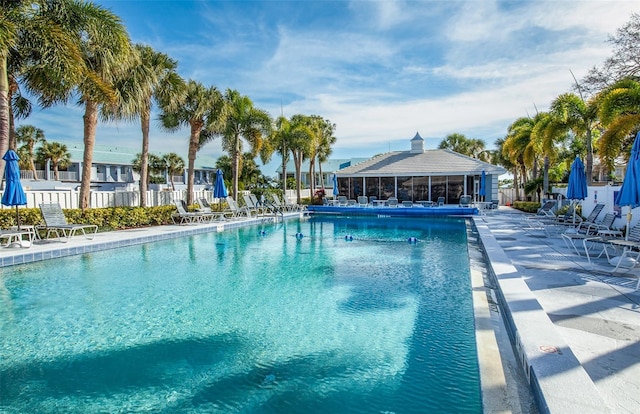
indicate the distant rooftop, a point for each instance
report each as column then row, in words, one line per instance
column 420, row 162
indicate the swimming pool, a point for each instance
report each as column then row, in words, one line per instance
column 320, row 315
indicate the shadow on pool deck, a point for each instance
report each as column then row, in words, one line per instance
column 576, row 325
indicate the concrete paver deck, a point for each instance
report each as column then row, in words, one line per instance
column 571, row 317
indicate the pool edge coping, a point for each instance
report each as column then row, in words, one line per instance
column 558, row 381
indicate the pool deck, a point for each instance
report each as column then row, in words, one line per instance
column 576, row 325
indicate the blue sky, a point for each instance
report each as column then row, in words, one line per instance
column 379, row 70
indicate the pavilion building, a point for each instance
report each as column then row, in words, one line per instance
column 420, row 175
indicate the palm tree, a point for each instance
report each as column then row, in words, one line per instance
column 37, row 49
column 30, row 136
column 199, row 108
column 153, row 74
column 57, row 153
column 300, row 137
column 573, row 113
column 174, row 165
column 107, row 52
column 619, row 110
column 324, row 149
column 519, row 149
column 279, row 141
column 242, row 120
column 463, row 145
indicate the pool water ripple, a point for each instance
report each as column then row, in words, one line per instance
column 241, row 321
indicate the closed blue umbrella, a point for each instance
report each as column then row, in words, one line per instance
column 483, row 183
column 577, row 189
column 13, row 193
column 629, row 194
column 219, row 189
column 335, row 186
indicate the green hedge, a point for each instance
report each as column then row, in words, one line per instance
column 112, row 218
column 526, row 206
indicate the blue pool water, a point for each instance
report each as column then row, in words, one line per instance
column 328, row 315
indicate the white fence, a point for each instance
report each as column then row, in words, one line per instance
column 98, row 199
column 71, row 198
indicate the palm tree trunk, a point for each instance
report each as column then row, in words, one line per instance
column 297, row 160
column 144, row 157
column 32, row 162
column 194, row 140
column 55, row 171
column 4, row 112
column 235, row 166
column 545, row 179
column 321, row 176
column 589, row 159
column 90, row 119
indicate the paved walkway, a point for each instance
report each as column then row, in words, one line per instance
column 577, row 325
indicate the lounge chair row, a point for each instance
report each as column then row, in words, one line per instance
column 252, row 208
column 54, row 225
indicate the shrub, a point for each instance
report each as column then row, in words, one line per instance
column 111, row 218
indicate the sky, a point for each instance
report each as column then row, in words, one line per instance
column 379, row 70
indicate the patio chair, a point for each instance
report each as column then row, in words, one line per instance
column 407, row 204
column 593, row 216
column 182, row 216
column 294, row 206
column 465, row 201
column 342, row 201
column 392, row 202
column 56, row 222
column 205, row 207
column 440, row 201
column 236, row 210
column 547, row 209
column 278, row 203
column 250, row 203
column 593, row 228
column 363, row 201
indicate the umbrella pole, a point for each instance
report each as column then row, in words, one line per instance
column 629, row 215
column 18, row 218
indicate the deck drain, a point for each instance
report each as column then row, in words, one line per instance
column 552, row 256
column 506, row 238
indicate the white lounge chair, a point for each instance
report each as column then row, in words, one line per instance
column 182, row 216
column 56, row 222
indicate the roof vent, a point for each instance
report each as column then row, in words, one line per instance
column 417, row 144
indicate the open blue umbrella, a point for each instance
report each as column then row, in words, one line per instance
column 13, row 193
column 577, row 189
column 629, row 194
column 219, row 189
column 483, row 183
column 335, row 186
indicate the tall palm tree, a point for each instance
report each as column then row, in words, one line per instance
column 519, row 149
column 174, row 165
column 38, row 51
column 573, row 113
column 242, row 121
column 619, row 111
column 327, row 140
column 57, row 153
column 279, row 141
column 300, row 137
column 106, row 52
column 199, row 108
column 153, row 74
column 30, row 136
